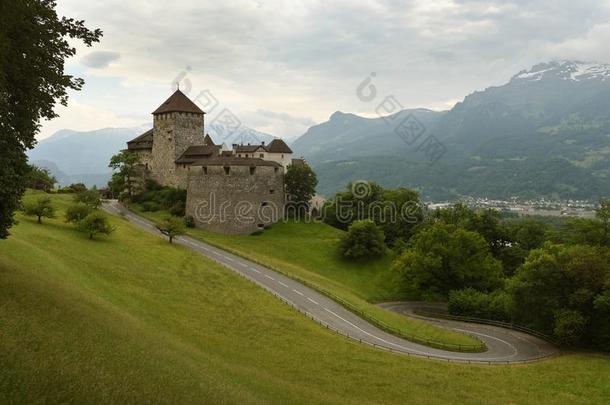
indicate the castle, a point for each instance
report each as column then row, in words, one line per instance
column 237, row 190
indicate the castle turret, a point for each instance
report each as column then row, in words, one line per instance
column 178, row 124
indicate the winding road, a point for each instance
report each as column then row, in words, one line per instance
column 504, row 346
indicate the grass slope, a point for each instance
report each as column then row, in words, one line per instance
column 308, row 252
column 132, row 319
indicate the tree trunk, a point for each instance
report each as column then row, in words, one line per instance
column 171, row 239
column 90, row 236
column 40, row 219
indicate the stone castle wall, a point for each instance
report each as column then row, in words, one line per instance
column 173, row 134
column 240, row 201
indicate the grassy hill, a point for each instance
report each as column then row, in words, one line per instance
column 131, row 318
column 308, row 252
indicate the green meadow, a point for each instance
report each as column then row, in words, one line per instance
column 130, row 318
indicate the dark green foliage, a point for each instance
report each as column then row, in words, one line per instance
column 600, row 321
column 301, row 182
column 33, row 48
column 398, row 212
column 41, row 207
column 364, row 239
column 125, row 165
column 442, row 258
column 77, row 212
column 166, row 198
column 150, row 206
column 77, row 187
column 94, row 224
column 178, row 209
column 92, row 198
column 555, row 283
column 189, row 221
column 171, row 227
column 40, row 179
column 477, row 304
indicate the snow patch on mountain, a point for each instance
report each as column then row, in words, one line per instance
column 565, row 70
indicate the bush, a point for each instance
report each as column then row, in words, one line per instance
column 363, row 239
column 77, row 212
column 476, row 304
column 178, row 209
column 150, row 206
column 189, row 221
column 569, row 327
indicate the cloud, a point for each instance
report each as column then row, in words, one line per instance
column 99, row 59
column 288, row 60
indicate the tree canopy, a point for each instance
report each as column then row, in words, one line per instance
column 33, row 49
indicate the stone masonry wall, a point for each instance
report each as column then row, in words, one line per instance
column 173, row 134
column 237, row 202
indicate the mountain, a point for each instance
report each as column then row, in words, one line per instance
column 544, row 133
column 74, row 157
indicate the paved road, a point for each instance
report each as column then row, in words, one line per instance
column 504, row 346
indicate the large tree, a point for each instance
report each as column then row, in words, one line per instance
column 443, row 257
column 33, row 48
column 126, row 165
column 301, row 182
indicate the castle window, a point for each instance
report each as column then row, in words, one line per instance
column 146, row 166
column 282, row 156
column 262, row 155
column 264, row 204
column 227, row 170
column 271, row 191
column 252, row 170
column 184, row 166
column 205, row 170
column 275, row 169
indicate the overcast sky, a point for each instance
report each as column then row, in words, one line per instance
column 282, row 66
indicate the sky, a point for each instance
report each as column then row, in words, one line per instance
column 282, row 66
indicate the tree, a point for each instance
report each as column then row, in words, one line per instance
column 32, row 81
column 40, row 179
column 92, row 198
column 603, row 215
column 171, row 227
column 364, row 239
column 94, row 224
column 402, row 213
column 301, row 182
column 41, row 207
column 443, row 257
column 557, row 288
column 125, row 163
column 77, row 212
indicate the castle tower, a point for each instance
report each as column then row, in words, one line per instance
column 178, row 124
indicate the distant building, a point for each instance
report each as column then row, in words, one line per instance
column 234, row 191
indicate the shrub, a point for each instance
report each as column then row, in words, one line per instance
column 77, row 212
column 189, row 221
column 94, row 224
column 150, row 206
column 363, row 239
column 476, row 304
column 178, row 209
column 569, row 327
